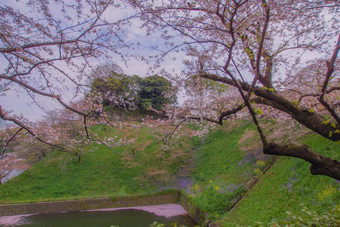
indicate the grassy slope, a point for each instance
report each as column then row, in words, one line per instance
column 220, row 173
column 286, row 186
column 116, row 171
column 218, row 158
column 219, row 169
column 102, row 172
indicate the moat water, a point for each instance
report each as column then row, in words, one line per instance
column 121, row 218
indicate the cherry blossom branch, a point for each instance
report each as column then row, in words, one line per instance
column 49, row 63
column 317, row 4
column 236, row 82
column 256, row 62
column 29, row 71
column 55, row 43
column 310, row 119
column 314, row 95
column 35, row 136
column 7, row 143
column 42, row 93
column 31, row 45
column 20, row 124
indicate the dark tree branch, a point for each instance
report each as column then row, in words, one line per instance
column 330, row 70
column 263, row 36
column 85, row 128
column 230, row 112
column 166, row 139
column 250, row 108
column 329, row 90
column 321, row 165
column 267, row 79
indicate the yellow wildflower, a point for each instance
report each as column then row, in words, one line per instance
column 327, row 191
column 260, row 163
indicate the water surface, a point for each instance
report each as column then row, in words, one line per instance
column 122, row 218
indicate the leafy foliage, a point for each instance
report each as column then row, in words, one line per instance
column 118, row 90
column 131, row 92
column 155, row 92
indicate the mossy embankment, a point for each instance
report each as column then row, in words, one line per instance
column 214, row 171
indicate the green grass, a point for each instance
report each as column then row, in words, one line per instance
column 213, row 169
column 221, row 170
column 137, row 168
column 102, row 172
column 119, row 171
column 62, row 177
column 286, row 186
column 219, row 156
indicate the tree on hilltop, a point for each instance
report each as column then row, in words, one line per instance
column 155, row 92
column 126, row 92
column 117, row 90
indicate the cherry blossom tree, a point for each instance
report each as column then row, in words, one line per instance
column 46, row 50
column 277, row 54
